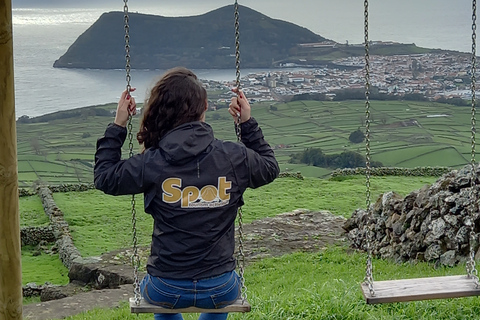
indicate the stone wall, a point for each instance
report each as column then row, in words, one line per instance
column 84, row 273
column 66, row 249
column 72, row 187
column 392, row 171
column 431, row 224
column 296, row 175
column 25, row 192
column 32, row 236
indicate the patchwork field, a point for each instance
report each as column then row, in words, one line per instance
column 403, row 134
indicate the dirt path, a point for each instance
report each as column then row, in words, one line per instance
column 300, row 230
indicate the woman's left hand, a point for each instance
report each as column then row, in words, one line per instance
column 126, row 108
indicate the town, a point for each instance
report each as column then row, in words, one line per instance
column 431, row 76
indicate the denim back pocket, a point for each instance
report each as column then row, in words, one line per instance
column 226, row 295
column 156, row 296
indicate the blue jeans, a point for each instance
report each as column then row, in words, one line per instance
column 210, row 293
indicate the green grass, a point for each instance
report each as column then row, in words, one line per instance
column 49, row 151
column 322, row 285
column 100, row 223
column 31, row 212
column 299, row 286
column 325, row 285
column 339, row 196
column 42, row 268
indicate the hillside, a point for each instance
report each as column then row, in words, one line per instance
column 58, row 148
column 208, row 42
column 204, row 41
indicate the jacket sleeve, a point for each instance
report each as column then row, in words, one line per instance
column 113, row 175
column 262, row 165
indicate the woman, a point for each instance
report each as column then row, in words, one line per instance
column 192, row 184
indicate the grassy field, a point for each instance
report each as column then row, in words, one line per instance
column 405, row 134
column 101, row 223
column 322, row 285
column 325, row 285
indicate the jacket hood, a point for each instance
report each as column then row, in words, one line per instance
column 185, row 142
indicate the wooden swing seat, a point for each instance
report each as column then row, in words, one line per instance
column 144, row 307
column 420, row 289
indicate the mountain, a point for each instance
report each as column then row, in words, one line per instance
column 202, row 42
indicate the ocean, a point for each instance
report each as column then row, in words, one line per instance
column 42, row 35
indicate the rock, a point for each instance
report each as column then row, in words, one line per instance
column 437, row 230
column 52, row 293
column 432, row 223
column 448, row 258
column 101, row 275
column 31, row 290
column 292, row 231
column 433, row 252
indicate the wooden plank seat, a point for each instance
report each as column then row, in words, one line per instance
column 420, row 289
column 144, row 307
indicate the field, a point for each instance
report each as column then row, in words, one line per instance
column 321, row 285
column 101, row 223
column 403, row 134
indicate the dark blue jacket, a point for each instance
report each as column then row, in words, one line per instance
column 193, row 185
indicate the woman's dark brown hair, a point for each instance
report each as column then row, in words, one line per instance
column 177, row 98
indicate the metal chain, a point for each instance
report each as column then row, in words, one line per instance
column 127, row 45
column 241, row 255
column 473, row 80
column 369, row 267
column 470, row 266
column 128, row 78
column 238, row 131
column 237, row 45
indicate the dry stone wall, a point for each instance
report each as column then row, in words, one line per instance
column 32, row 236
column 436, row 223
column 67, row 251
column 91, row 271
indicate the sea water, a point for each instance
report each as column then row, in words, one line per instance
column 42, row 35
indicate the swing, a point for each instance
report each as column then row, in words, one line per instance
column 137, row 303
column 419, row 288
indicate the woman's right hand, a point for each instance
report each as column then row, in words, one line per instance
column 239, row 107
column 126, row 107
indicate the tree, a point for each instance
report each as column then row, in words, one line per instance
column 356, row 136
column 316, row 157
column 23, row 119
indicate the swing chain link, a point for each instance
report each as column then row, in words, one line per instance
column 135, row 256
column 237, row 45
column 369, row 267
column 473, row 79
column 238, row 132
column 238, row 129
column 241, row 256
column 128, row 78
column 470, row 266
column 127, row 45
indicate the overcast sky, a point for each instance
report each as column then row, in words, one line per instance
column 429, row 23
column 305, row 13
